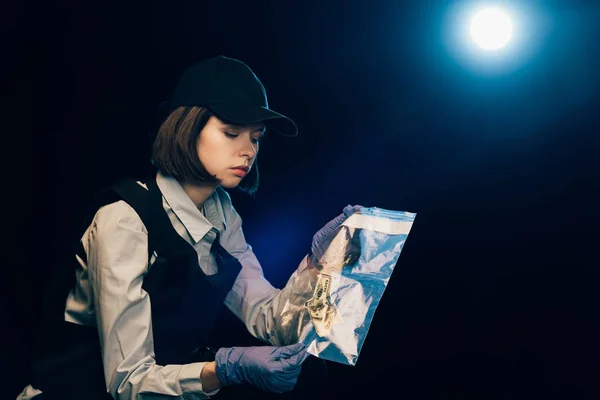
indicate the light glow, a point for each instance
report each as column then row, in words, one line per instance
column 491, row 29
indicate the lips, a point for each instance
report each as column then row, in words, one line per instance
column 239, row 172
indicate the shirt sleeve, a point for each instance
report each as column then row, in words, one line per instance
column 253, row 299
column 117, row 254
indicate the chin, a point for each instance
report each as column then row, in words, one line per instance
column 228, row 184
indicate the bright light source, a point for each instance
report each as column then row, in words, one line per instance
column 491, row 29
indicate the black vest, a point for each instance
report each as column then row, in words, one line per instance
column 185, row 303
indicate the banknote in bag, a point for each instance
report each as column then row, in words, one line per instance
column 333, row 298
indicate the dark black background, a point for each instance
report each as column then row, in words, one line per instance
column 495, row 293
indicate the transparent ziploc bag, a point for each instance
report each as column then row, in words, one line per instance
column 332, row 300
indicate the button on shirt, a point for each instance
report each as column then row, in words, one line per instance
column 109, row 291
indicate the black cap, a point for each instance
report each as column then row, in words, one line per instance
column 231, row 91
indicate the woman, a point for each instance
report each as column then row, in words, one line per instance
column 158, row 258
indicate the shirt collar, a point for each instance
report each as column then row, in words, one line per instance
column 186, row 211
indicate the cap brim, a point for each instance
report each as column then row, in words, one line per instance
column 275, row 121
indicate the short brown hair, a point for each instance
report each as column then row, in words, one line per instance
column 175, row 153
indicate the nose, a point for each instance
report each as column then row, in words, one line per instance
column 249, row 149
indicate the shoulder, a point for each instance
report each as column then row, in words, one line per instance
column 119, row 211
column 117, row 215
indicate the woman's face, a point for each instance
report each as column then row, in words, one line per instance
column 223, row 147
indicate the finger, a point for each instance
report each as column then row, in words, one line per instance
column 289, row 380
column 291, row 384
column 288, row 371
column 298, row 359
column 285, row 381
column 354, row 248
column 288, row 351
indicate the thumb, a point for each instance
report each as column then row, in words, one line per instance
column 346, row 213
column 288, row 351
column 349, row 210
column 298, row 359
column 337, row 221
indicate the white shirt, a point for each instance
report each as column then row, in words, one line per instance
column 109, row 293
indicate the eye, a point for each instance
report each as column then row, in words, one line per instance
column 230, row 135
column 256, row 141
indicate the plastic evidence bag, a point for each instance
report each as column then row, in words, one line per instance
column 334, row 298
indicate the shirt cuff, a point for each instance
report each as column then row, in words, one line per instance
column 191, row 385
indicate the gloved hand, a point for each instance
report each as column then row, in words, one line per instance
column 323, row 237
column 269, row 368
